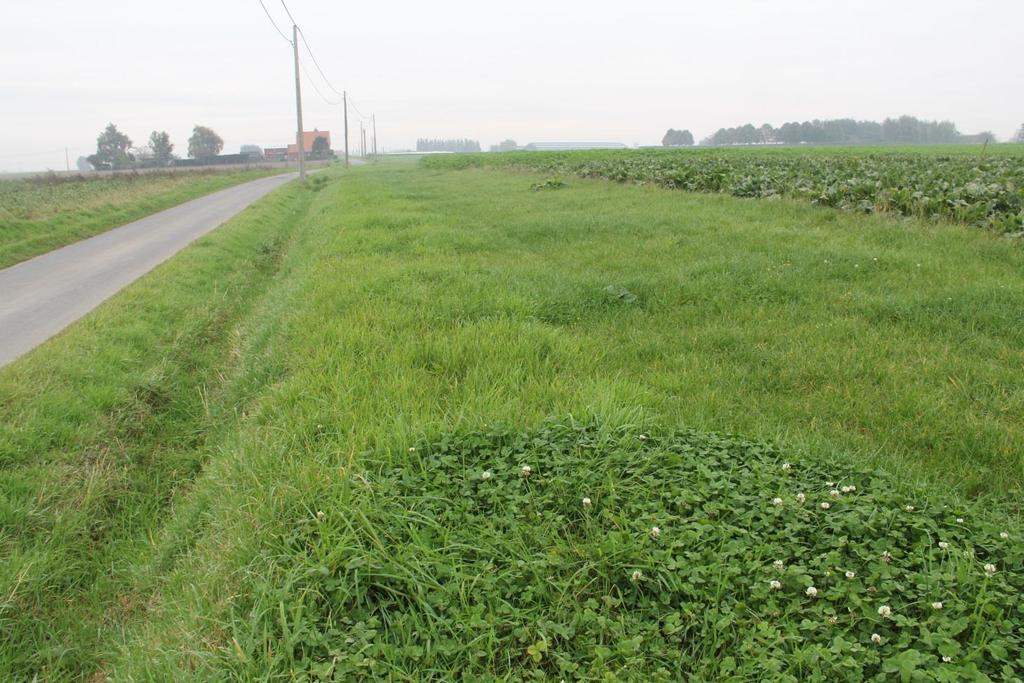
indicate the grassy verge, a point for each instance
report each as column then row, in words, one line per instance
column 103, row 427
column 341, row 526
column 41, row 214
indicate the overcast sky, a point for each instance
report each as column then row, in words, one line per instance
column 531, row 70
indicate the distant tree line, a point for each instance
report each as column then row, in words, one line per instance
column 114, row 149
column 426, row 145
column 1019, row 137
column 505, row 146
column 902, row 130
column 677, row 138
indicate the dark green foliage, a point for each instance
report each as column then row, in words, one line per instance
column 111, row 148
column 204, row 143
column 677, row 138
column 160, row 143
column 986, row 191
column 505, row 146
column 905, row 130
column 321, row 148
column 577, row 552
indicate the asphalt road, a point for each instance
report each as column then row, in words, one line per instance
column 42, row 296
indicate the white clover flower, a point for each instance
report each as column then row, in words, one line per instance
column 775, row 585
column 320, row 515
column 826, row 505
column 850, row 574
column 779, row 564
column 833, row 620
column 586, row 502
column 943, row 545
column 848, row 489
column 800, row 498
column 834, row 493
column 412, row 449
column 812, row 592
column 885, row 611
column 990, row 569
column 655, row 532
column 908, row 508
column 876, row 639
column 1003, row 535
column 643, row 437
column 946, row 659
column 959, row 520
column 886, row 556
column 830, row 484
column 525, row 470
column 777, row 502
column 937, row 604
column 636, row 576
column 852, row 488
column 786, row 467
column 485, row 475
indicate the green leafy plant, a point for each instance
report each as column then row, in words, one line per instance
column 579, row 552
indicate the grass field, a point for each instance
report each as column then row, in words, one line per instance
column 415, row 424
column 43, row 213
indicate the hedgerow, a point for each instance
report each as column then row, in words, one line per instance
column 578, row 552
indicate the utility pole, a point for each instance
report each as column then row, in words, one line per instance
column 67, row 160
column 374, row 135
column 298, row 108
column 344, row 97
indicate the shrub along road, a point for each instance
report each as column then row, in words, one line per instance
column 44, row 295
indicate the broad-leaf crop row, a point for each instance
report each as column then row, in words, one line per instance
column 985, row 191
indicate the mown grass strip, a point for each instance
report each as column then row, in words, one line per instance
column 38, row 215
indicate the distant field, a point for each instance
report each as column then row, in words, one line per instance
column 413, row 423
column 49, row 211
column 975, row 185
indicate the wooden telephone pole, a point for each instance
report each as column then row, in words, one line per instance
column 374, row 135
column 344, row 98
column 298, row 108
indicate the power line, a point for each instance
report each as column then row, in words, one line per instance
column 276, row 27
column 316, row 89
column 353, row 105
column 316, row 63
column 294, row 23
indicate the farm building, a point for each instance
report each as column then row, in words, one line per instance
column 275, row 153
column 308, row 141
